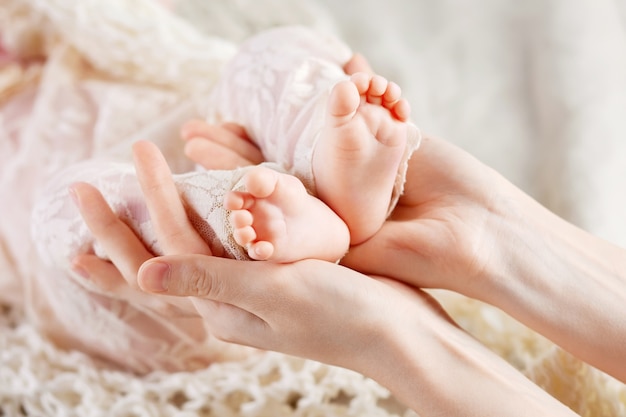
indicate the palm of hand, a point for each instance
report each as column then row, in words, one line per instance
column 441, row 229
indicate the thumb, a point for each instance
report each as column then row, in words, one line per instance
column 217, row 295
column 388, row 253
column 219, row 279
column 155, row 276
column 183, row 275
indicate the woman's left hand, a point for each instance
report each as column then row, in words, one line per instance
column 311, row 308
column 126, row 251
column 299, row 308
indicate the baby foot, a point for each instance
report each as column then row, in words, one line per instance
column 356, row 159
column 277, row 219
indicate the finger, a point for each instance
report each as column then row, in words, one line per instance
column 229, row 135
column 236, row 129
column 108, row 279
column 119, row 242
column 103, row 274
column 246, row 285
column 212, row 155
column 235, row 137
column 169, row 218
column 233, row 324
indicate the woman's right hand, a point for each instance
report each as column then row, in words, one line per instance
column 441, row 233
column 461, row 226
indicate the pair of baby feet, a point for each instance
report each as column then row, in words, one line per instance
column 355, row 166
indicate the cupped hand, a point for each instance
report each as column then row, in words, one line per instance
column 442, row 232
column 314, row 309
column 125, row 250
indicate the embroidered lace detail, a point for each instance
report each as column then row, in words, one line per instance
column 277, row 86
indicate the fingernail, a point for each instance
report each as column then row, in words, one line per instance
column 74, row 196
column 154, row 276
column 78, row 269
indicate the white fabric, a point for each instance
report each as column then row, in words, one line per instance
column 535, row 89
column 277, row 87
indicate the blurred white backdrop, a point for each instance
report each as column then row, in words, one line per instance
column 535, row 89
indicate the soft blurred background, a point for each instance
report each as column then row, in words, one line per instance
column 536, row 89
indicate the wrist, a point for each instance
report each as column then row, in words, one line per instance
column 562, row 282
column 437, row 369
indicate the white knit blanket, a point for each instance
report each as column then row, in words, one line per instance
column 536, row 89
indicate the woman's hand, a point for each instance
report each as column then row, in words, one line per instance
column 311, row 308
column 126, row 251
column 442, row 231
column 395, row 334
column 461, row 226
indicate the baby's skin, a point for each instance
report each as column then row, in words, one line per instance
column 355, row 165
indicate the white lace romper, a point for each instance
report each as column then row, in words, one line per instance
column 276, row 87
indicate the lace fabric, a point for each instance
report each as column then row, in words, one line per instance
column 64, row 306
column 97, row 85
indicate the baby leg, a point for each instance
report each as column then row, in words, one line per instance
column 278, row 220
column 362, row 144
column 227, row 145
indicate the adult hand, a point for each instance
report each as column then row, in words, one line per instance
column 461, row 226
column 441, row 232
column 393, row 333
column 310, row 308
column 126, row 251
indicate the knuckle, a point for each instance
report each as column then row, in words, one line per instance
column 221, row 325
column 225, row 334
column 173, row 311
column 201, row 283
column 165, row 309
